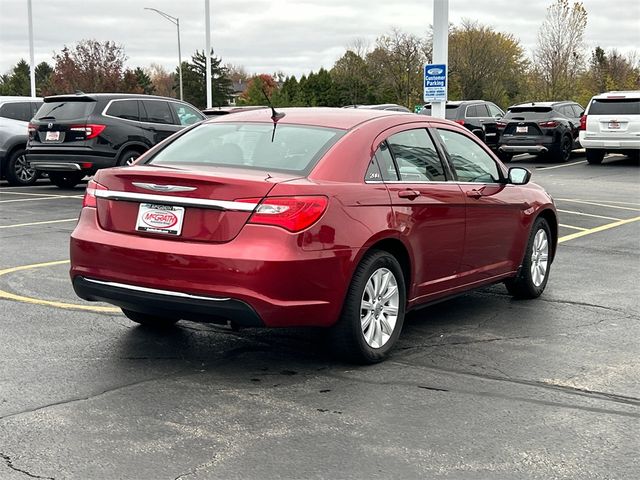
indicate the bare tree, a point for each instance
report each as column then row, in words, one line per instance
column 162, row 80
column 558, row 55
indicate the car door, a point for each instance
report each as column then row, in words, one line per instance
column 159, row 120
column 494, row 209
column 428, row 210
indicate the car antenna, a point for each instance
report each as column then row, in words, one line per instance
column 275, row 116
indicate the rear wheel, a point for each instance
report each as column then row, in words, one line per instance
column 18, row 170
column 128, row 157
column 534, row 273
column 562, row 151
column 66, row 179
column 152, row 321
column 373, row 312
column 505, row 157
column 594, row 157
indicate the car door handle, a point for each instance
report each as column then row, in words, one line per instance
column 474, row 193
column 410, row 194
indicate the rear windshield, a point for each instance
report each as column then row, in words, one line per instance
column 528, row 113
column 450, row 112
column 609, row 106
column 67, row 110
column 295, row 148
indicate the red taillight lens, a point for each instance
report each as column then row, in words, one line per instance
column 90, row 130
column 501, row 125
column 583, row 122
column 549, row 124
column 90, row 199
column 291, row 213
column 459, row 122
column 32, row 129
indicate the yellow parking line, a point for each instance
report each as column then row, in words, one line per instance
column 585, row 202
column 38, row 223
column 40, row 198
column 49, row 303
column 589, row 215
column 597, row 229
column 572, row 227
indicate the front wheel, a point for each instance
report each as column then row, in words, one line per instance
column 373, row 311
column 151, row 321
column 534, row 272
column 66, row 180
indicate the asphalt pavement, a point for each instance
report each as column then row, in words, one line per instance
column 479, row 387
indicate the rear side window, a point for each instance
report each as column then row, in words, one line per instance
column 17, row 111
column 478, row 111
column 416, row 156
column 127, row 109
column 156, row 111
column 529, row 113
column 610, row 106
column 65, row 110
column 450, row 113
column 295, row 148
column 185, row 114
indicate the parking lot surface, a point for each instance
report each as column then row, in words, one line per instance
column 480, row 386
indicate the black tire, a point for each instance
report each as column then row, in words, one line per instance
column 151, row 321
column 523, row 286
column 347, row 335
column 562, row 151
column 18, row 172
column 594, row 157
column 505, row 157
column 128, row 157
column 66, row 180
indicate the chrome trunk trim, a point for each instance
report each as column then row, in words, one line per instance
column 176, row 201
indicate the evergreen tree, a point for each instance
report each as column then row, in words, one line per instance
column 194, row 81
column 144, row 81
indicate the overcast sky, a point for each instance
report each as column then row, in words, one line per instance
column 294, row 37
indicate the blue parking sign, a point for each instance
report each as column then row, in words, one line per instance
column 435, row 83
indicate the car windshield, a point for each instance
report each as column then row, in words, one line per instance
column 609, row 106
column 294, row 148
column 450, row 113
column 67, row 110
column 529, row 113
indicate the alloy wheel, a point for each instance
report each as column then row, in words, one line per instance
column 539, row 258
column 22, row 169
column 379, row 307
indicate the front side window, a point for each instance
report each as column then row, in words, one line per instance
column 295, row 148
column 470, row 161
column 157, row 112
column 495, row 111
column 185, row 114
column 416, row 156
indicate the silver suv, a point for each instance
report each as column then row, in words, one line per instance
column 611, row 123
column 15, row 113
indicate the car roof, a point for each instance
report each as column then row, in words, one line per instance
column 542, row 104
column 14, row 98
column 618, row 94
column 340, row 118
column 107, row 96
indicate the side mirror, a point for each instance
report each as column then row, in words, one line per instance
column 519, row 176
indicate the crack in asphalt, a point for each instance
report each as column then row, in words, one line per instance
column 195, row 469
column 9, row 463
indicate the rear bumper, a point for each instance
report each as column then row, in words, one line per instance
column 175, row 304
column 523, row 149
column 263, row 270
column 71, row 161
column 531, row 144
column 612, row 143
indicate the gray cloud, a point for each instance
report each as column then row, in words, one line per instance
column 278, row 35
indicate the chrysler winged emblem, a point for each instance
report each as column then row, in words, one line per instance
column 164, row 188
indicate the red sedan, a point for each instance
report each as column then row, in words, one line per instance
column 318, row 217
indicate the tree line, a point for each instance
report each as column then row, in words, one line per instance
column 483, row 64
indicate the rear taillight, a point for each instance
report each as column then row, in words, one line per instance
column 501, row 125
column 459, row 122
column 583, row 122
column 32, row 129
column 90, row 130
column 291, row 213
column 90, row 199
column 549, row 124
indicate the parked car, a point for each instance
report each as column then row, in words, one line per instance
column 544, row 128
column 318, row 217
column 15, row 113
column 72, row 136
column 216, row 111
column 611, row 123
column 478, row 116
column 383, row 106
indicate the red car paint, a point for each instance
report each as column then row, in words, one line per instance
column 452, row 237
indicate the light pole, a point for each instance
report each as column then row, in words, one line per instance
column 176, row 22
column 32, row 64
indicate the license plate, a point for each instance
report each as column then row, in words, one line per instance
column 52, row 136
column 164, row 219
column 522, row 129
column 614, row 125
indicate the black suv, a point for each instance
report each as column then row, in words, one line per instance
column 544, row 128
column 479, row 116
column 74, row 135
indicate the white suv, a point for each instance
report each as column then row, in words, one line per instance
column 611, row 123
